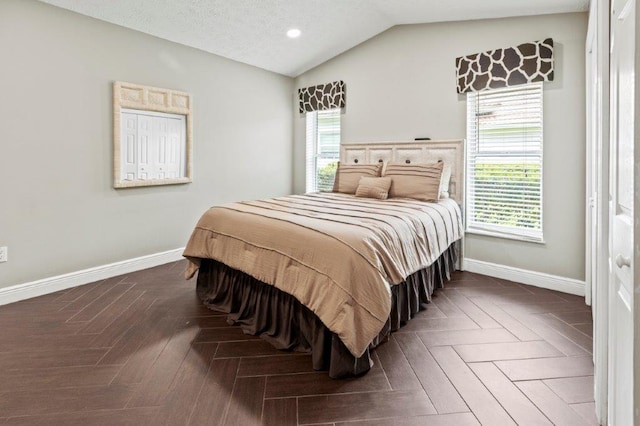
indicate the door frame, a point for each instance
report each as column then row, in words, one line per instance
column 597, row 266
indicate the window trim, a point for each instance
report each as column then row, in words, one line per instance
column 500, row 231
column 505, row 236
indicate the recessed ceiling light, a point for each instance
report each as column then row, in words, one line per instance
column 293, row 33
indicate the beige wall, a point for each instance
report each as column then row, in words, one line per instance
column 401, row 85
column 58, row 210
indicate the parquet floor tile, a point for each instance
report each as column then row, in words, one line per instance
column 588, row 412
column 456, row 419
column 519, row 407
column 482, row 403
column 141, row 349
column 572, row 390
column 555, row 409
column 397, row 368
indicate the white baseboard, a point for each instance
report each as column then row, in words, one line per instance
column 61, row 282
column 538, row 279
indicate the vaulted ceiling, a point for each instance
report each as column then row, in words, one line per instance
column 254, row 31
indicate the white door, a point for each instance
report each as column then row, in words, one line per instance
column 168, row 137
column 146, row 169
column 153, row 145
column 174, row 160
column 161, row 137
column 621, row 298
column 129, row 146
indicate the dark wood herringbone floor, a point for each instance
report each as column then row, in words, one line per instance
column 141, row 349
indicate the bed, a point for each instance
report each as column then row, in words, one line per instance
column 332, row 274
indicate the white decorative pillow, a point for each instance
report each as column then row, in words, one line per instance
column 444, row 181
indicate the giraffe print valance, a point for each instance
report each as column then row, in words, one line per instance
column 508, row 67
column 322, row 97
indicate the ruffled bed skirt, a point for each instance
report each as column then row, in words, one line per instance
column 279, row 318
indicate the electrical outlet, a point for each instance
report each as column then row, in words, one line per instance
column 4, row 254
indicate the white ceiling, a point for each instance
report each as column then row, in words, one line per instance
column 254, row 31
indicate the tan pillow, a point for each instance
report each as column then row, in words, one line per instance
column 348, row 176
column 418, row 181
column 374, row 187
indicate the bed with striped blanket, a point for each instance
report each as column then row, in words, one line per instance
column 344, row 259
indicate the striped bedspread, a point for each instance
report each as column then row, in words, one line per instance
column 336, row 253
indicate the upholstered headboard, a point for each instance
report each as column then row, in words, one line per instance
column 449, row 151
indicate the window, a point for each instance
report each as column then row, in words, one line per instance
column 504, row 162
column 323, row 149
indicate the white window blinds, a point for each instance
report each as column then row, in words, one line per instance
column 323, row 149
column 504, row 162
